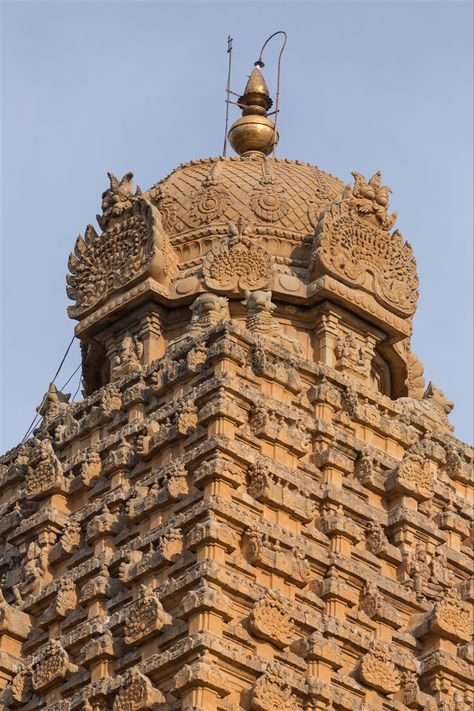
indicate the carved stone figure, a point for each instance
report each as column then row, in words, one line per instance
column 33, row 572
column 370, row 199
column 260, row 322
column 116, row 199
column 45, row 474
column 375, row 537
column 433, row 404
column 128, row 359
column 208, row 310
column 428, row 574
column 53, row 403
column 350, row 356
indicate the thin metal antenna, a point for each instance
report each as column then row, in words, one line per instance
column 229, row 52
column 259, row 63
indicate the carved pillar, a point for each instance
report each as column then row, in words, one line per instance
column 15, row 627
column 326, row 333
column 150, row 334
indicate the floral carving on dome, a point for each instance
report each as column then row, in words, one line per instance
column 240, row 263
column 325, row 192
column 210, row 201
column 208, row 204
column 267, row 201
column 166, row 206
column 352, row 249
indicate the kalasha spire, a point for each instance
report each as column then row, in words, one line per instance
column 254, row 131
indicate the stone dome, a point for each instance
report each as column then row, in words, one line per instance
column 278, row 196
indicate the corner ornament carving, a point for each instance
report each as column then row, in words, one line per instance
column 134, row 245
column 238, row 264
column 356, row 247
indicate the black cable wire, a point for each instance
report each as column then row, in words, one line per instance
column 30, row 428
column 80, row 381
column 70, row 378
column 64, row 358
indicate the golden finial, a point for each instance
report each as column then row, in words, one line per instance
column 253, row 131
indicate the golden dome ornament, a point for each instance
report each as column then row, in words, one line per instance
column 254, row 132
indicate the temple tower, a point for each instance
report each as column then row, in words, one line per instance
column 258, row 505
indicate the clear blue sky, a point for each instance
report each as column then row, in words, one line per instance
column 94, row 86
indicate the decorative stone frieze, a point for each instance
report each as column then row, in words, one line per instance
column 45, row 475
column 137, row 693
column 412, row 476
column 272, row 693
column 267, row 487
column 270, row 619
column 450, row 617
column 378, row 671
column 292, row 564
column 208, row 599
column 239, row 263
column 50, row 666
column 204, row 672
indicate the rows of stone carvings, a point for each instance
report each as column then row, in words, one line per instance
column 186, row 489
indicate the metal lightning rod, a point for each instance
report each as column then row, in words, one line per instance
column 229, row 52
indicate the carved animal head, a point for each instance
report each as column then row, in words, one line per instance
column 436, row 397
